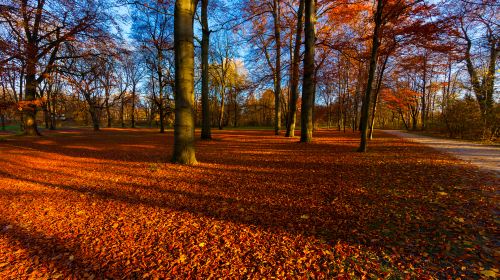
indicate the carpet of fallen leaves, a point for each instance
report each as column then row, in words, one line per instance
column 84, row 205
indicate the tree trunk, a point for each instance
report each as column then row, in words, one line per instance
column 483, row 90
column 132, row 121
column 277, row 77
column 371, row 74
column 377, row 93
column 162, row 118
column 294, row 90
column 52, row 110
column 221, row 111
column 184, row 150
column 423, row 116
column 206, row 132
column 95, row 117
column 108, row 112
column 29, row 116
column 122, row 112
column 308, row 89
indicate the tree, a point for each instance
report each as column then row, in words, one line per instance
column 152, row 32
column 184, row 150
column 371, row 74
column 134, row 72
column 481, row 19
column 43, row 27
column 308, row 88
column 294, row 84
column 276, row 12
column 258, row 11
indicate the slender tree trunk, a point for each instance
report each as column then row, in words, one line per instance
column 308, row 90
column 108, row 111
column 294, row 90
column 424, row 92
column 206, row 132
column 235, row 124
column 377, row 93
column 277, row 77
column 222, row 104
column 53, row 105
column 4, row 99
column 371, row 75
column 404, row 122
column 122, row 112
column 132, row 121
column 162, row 117
column 184, row 138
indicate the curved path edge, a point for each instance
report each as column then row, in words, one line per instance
column 485, row 157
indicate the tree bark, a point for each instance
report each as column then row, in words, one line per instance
column 184, row 138
column 423, row 117
column 108, row 111
column 371, row 75
column 484, row 89
column 122, row 112
column 206, row 133
column 222, row 104
column 29, row 115
column 377, row 93
column 292, row 112
column 277, row 75
column 308, row 89
column 132, row 121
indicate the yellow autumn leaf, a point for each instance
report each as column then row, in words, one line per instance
column 490, row 273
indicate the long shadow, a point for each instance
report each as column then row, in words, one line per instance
column 51, row 254
column 370, row 211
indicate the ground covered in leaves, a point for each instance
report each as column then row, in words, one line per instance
column 78, row 204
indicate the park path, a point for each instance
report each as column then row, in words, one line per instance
column 483, row 156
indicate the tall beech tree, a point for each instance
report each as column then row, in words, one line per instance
column 184, row 139
column 294, row 83
column 308, row 88
column 258, row 12
column 276, row 12
column 371, row 75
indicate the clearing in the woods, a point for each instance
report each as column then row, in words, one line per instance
column 78, row 204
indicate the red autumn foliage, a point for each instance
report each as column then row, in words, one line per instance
column 77, row 204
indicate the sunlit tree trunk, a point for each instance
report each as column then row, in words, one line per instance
column 222, row 104
column 294, row 90
column 206, row 132
column 308, row 87
column 277, row 75
column 371, row 75
column 184, row 150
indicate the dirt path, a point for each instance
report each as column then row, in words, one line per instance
column 484, row 156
